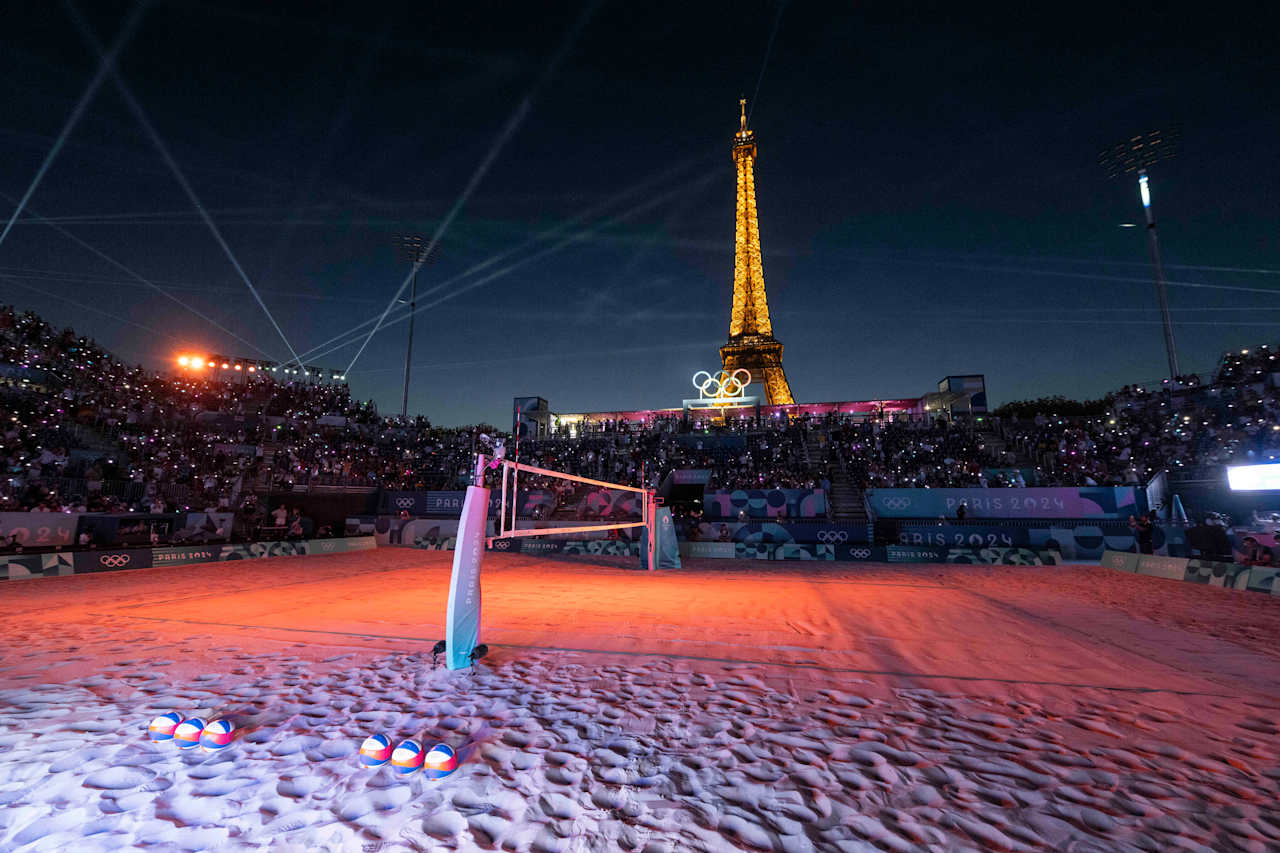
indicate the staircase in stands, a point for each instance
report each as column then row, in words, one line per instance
column 845, row 497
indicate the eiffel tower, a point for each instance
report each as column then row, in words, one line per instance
column 751, row 342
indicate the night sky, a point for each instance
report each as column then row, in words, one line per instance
column 930, row 201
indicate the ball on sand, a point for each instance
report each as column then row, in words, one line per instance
column 407, row 756
column 187, row 734
column 375, row 751
column 162, row 727
column 440, row 762
column 217, row 735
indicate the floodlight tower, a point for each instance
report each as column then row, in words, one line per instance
column 414, row 249
column 1134, row 155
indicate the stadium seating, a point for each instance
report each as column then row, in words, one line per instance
column 86, row 432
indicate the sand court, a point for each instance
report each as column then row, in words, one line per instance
column 727, row 705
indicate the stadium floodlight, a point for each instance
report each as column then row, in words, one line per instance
column 1254, row 478
column 416, row 250
column 183, row 360
column 1135, row 155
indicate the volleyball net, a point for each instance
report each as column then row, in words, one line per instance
column 535, row 501
column 540, row 502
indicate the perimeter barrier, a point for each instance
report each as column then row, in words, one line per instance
column 15, row 566
column 1264, row 579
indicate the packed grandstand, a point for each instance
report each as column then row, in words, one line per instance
column 87, row 433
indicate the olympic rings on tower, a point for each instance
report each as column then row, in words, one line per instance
column 722, row 383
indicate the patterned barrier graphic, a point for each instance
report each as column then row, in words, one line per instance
column 1009, row 556
column 1264, row 579
column 119, row 559
column 761, row 503
column 35, row 565
column 778, row 533
column 723, row 550
column 1059, row 502
column 1074, row 541
column 531, row 501
column 184, row 556
column 111, row 561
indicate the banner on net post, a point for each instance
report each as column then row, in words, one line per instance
column 462, row 620
column 666, row 551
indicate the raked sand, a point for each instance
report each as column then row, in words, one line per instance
column 725, row 706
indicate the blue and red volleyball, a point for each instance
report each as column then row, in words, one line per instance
column 439, row 762
column 375, row 751
column 217, row 735
column 162, row 727
column 187, row 734
column 407, row 757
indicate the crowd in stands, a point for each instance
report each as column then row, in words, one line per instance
column 913, row 454
column 1187, row 428
column 86, row 432
column 738, row 455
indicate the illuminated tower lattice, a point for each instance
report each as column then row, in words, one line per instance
column 751, row 342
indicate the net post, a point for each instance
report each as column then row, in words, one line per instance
column 651, row 543
column 462, row 616
column 515, row 493
column 502, row 510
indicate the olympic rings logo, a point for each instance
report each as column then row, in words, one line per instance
column 895, row 503
column 860, row 553
column 722, row 383
column 502, row 545
column 405, row 503
column 831, row 537
column 114, row 561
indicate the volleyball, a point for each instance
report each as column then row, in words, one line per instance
column 162, row 727
column 187, row 734
column 407, row 757
column 217, row 735
column 375, row 751
column 440, row 762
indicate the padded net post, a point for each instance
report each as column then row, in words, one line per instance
column 462, row 619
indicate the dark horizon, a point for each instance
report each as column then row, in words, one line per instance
column 929, row 194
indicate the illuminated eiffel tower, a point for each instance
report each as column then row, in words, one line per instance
column 751, row 342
